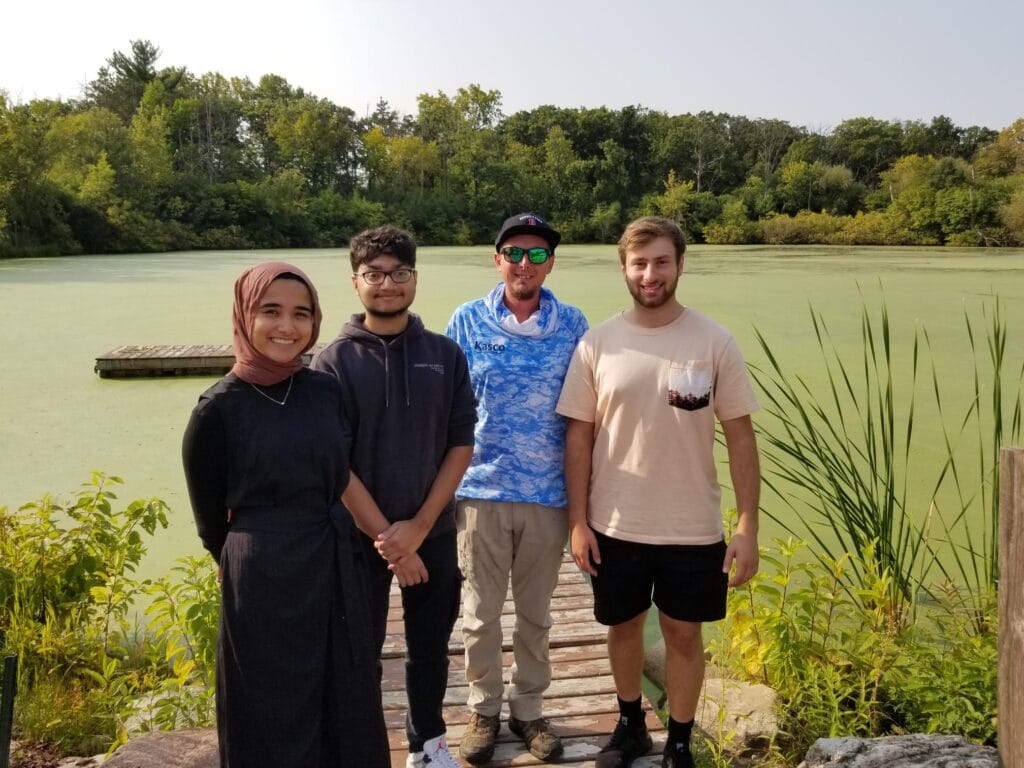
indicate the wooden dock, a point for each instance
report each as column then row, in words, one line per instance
column 171, row 360
column 580, row 704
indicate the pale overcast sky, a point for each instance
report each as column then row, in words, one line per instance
column 813, row 63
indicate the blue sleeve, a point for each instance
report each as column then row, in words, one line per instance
column 462, row 424
column 453, row 330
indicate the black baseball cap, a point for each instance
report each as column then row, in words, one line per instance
column 527, row 224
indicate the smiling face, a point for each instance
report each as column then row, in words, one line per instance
column 523, row 280
column 283, row 322
column 652, row 273
column 387, row 299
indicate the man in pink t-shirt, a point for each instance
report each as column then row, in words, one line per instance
column 642, row 395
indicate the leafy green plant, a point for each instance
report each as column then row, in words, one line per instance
column 839, row 456
column 70, row 714
column 796, row 629
column 184, row 616
column 89, row 672
column 839, row 663
column 945, row 679
column 887, row 627
column 715, row 745
column 66, row 569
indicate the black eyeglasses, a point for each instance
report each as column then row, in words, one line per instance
column 376, row 276
column 513, row 254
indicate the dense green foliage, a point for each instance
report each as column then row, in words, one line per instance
column 890, row 625
column 89, row 671
column 157, row 159
column 841, row 667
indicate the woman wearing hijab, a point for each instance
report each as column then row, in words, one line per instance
column 265, row 457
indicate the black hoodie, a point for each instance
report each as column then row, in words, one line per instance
column 408, row 400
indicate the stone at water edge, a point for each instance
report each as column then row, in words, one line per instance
column 913, row 751
column 168, row 749
column 748, row 711
column 738, row 715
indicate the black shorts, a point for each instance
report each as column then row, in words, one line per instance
column 686, row 580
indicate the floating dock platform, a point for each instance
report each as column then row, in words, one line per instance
column 171, row 360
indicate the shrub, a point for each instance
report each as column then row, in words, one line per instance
column 68, row 610
column 841, row 667
column 874, row 228
column 804, row 228
column 945, row 680
column 70, row 714
column 184, row 616
column 65, row 569
column 733, row 228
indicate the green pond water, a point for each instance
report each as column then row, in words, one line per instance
column 59, row 420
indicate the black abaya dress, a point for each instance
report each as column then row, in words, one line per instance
column 296, row 681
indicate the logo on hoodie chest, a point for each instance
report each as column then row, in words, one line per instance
column 437, row 368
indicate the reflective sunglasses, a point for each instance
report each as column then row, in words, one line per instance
column 376, row 276
column 513, row 254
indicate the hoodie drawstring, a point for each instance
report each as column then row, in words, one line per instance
column 387, row 373
column 405, row 371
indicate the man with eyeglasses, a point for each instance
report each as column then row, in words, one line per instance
column 511, row 513
column 412, row 411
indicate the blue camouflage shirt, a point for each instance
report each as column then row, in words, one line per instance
column 520, row 440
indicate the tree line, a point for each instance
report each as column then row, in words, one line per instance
column 155, row 159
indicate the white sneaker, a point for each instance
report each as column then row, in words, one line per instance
column 435, row 754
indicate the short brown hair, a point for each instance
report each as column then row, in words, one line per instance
column 390, row 240
column 643, row 230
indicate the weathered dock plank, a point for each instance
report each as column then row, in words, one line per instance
column 129, row 361
column 580, row 702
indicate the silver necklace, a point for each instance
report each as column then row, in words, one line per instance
column 271, row 399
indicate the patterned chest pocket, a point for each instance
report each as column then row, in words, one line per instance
column 689, row 384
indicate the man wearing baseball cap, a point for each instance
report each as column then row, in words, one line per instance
column 511, row 514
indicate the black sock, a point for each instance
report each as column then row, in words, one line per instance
column 678, row 736
column 631, row 713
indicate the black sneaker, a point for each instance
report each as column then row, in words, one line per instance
column 628, row 742
column 676, row 758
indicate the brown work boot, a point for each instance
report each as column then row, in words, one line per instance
column 477, row 744
column 542, row 742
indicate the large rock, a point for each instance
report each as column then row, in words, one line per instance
column 168, row 749
column 913, row 751
column 739, row 716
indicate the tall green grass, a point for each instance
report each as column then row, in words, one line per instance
column 987, row 420
column 841, row 459
column 888, row 626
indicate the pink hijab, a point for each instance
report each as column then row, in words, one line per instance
column 250, row 365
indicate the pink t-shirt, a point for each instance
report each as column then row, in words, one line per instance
column 653, row 395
